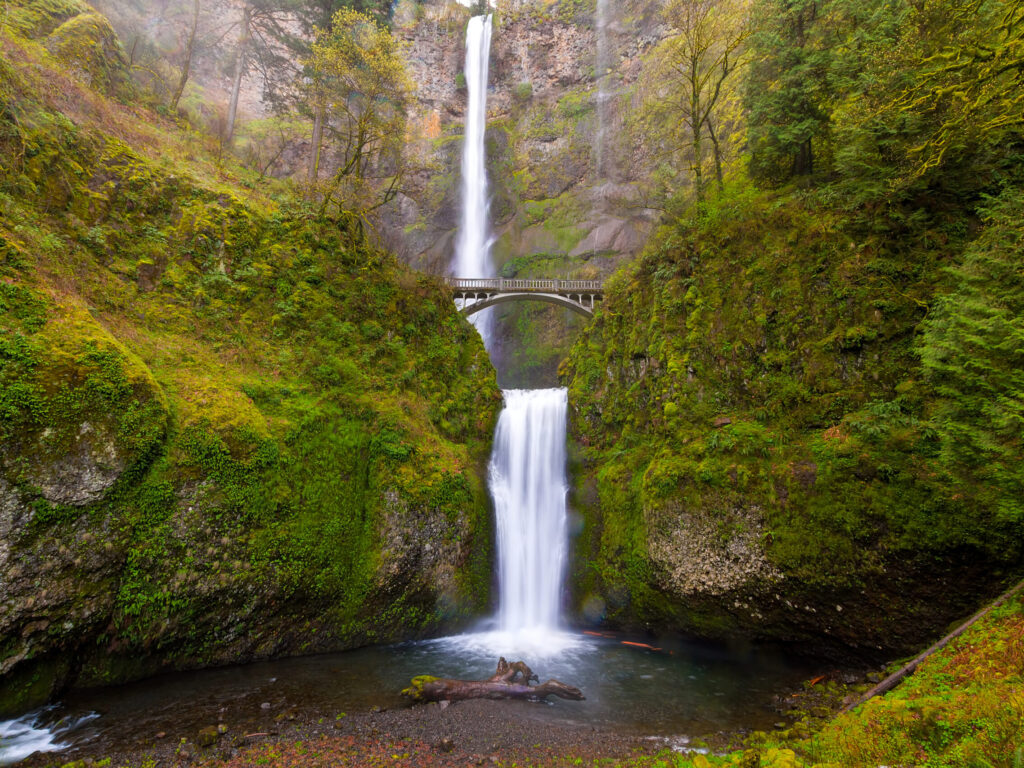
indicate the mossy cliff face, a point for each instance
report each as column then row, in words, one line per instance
column 227, row 430
column 763, row 454
column 543, row 126
column 548, row 114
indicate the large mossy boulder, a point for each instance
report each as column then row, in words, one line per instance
column 88, row 46
column 762, row 452
column 36, row 19
column 80, row 414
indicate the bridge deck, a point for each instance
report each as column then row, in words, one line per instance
column 516, row 285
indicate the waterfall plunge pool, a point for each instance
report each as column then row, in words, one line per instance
column 684, row 689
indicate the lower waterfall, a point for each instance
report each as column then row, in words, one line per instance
column 528, row 485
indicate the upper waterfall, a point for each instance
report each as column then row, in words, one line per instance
column 473, row 247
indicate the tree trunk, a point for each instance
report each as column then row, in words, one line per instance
column 696, row 128
column 318, row 135
column 910, row 667
column 186, row 66
column 717, row 152
column 236, row 86
column 510, row 681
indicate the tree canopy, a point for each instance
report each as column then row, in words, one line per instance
column 356, row 78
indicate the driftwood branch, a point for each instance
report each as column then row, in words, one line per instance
column 907, row 669
column 509, row 681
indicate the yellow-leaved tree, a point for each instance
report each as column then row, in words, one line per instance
column 359, row 90
column 690, row 103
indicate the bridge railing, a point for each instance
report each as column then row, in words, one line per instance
column 502, row 285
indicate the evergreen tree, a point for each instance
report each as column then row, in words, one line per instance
column 973, row 354
column 787, row 93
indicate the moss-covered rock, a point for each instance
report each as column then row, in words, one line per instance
column 89, row 46
column 38, row 18
column 229, row 430
column 759, row 453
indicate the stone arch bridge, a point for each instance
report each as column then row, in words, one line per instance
column 475, row 294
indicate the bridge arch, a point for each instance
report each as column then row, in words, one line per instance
column 550, row 298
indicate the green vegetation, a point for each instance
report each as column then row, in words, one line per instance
column 535, row 337
column 359, row 92
column 808, row 388
column 230, row 428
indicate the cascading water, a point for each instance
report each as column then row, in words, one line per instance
column 473, row 247
column 527, row 471
column 40, row 731
column 528, row 484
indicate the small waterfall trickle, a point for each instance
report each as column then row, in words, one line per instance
column 39, row 731
column 528, row 484
column 473, row 247
column 602, row 71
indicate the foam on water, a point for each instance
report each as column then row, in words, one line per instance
column 34, row 732
column 535, row 644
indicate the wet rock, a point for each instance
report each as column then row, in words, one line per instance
column 446, row 744
column 805, row 473
column 186, row 751
column 82, row 474
column 710, row 552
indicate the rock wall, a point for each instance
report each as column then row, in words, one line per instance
column 757, row 456
column 543, row 127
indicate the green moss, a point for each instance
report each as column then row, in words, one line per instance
column 760, row 356
column 289, row 401
column 88, row 42
column 38, row 18
column 31, row 683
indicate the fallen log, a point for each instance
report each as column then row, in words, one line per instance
column 910, row 667
column 510, row 681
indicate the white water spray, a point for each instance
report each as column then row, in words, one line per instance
column 527, row 470
column 528, row 484
column 473, row 247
